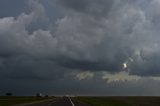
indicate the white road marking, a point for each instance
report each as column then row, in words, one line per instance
column 71, row 101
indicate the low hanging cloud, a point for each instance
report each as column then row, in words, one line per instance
column 84, row 75
column 125, row 77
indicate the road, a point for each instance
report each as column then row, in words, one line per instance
column 65, row 101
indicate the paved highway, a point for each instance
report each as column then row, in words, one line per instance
column 65, row 101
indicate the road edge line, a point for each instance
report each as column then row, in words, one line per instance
column 71, row 101
column 31, row 103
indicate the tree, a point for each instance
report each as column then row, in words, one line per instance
column 9, row 94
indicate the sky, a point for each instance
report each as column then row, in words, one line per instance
column 80, row 47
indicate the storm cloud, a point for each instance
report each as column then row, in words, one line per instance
column 54, row 40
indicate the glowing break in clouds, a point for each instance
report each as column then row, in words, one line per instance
column 124, row 77
column 84, row 75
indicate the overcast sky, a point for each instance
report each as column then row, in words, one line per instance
column 81, row 47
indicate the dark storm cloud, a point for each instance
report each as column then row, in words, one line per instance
column 74, row 4
column 89, row 65
column 148, row 64
column 93, row 7
column 85, row 87
column 124, row 32
column 59, row 43
column 23, row 67
column 12, row 8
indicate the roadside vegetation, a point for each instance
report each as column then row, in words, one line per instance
column 120, row 101
column 101, row 101
column 13, row 100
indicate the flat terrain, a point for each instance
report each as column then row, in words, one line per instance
column 63, row 101
column 9, row 101
column 81, row 101
column 120, row 101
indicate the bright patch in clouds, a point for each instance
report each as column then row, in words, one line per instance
column 124, row 76
column 125, row 65
column 84, row 75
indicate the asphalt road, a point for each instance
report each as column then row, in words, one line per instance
column 65, row 101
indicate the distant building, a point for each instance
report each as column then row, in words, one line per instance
column 39, row 95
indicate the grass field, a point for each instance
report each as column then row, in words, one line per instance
column 9, row 101
column 120, row 101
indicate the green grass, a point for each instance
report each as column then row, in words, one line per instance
column 120, row 101
column 101, row 101
column 13, row 100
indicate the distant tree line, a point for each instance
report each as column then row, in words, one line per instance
column 9, row 94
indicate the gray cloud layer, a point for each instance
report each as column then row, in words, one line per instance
column 112, row 32
column 48, row 43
